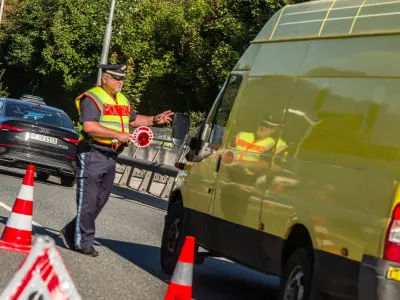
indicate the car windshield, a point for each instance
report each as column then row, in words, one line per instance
column 40, row 115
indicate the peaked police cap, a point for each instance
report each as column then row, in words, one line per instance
column 269, row 121
column 117, row 71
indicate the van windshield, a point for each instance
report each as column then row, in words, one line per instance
column 39, row 115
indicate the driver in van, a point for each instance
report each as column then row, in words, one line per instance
column 253, row 150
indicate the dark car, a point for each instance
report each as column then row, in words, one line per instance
column 34, row 133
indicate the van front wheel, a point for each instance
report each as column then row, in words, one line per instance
column 297, row 276
column 173, row 237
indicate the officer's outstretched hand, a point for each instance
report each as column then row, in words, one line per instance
column 163, row 118
column 124, row 137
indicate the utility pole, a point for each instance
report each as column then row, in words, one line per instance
column 1, row 11
column 107, row 40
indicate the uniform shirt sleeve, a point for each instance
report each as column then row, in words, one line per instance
column 89, row 111
column 132, row 116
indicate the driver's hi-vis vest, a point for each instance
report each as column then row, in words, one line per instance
column 114, row 114
column 281, row 147
column 281, row 150
column 250, row 150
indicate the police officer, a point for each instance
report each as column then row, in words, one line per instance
column 105, row 116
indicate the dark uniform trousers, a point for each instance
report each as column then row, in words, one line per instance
column 95, row 175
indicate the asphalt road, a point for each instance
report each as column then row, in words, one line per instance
column 129, row 235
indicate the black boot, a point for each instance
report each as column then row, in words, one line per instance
column 68, row 238
column 90, row 251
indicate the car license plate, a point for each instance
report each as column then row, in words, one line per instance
column 42, row 138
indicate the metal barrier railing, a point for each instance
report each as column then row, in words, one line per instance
column 150, row 170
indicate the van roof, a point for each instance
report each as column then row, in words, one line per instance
column 332, row 18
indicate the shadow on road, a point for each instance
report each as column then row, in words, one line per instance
column 144, row 256
column 215, row 279
column 53, row 233
column 20, row 173
column 13, row 173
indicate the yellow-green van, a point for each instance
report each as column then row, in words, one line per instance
column 296, row 169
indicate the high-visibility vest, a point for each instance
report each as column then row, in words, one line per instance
column 281, row 147
column 281, row 150
column 245, row 143
column 250, row 150
column 114, row 114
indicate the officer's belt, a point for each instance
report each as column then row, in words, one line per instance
column 108, row 151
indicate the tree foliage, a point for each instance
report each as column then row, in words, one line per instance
column 3, row 90
column 178, row 52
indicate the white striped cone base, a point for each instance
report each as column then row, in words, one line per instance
column 17, row 235
column 180, row 287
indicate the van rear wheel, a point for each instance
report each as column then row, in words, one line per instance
column 297, row 276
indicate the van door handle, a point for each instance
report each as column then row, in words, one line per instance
column 218, row 163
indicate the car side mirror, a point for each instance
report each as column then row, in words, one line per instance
column 180, row 128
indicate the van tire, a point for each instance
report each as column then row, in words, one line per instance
column 174, row 224
column 299, row 264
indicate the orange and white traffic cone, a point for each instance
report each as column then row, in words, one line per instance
column 17, row 235
column 180, row 287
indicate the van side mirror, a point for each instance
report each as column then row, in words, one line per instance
column 180, row 128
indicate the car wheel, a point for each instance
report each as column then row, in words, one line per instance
column 41, row 176
column 68, row 181
column 173, row 237
column 296, row 279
